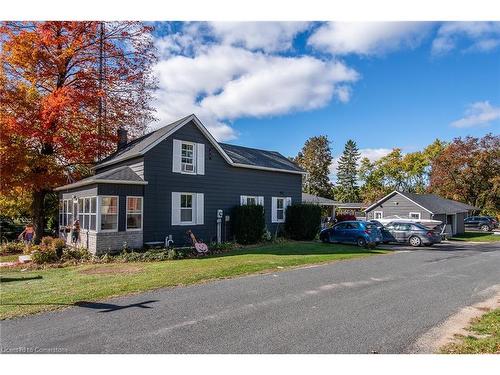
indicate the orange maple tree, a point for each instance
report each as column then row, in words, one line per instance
column 65, row 89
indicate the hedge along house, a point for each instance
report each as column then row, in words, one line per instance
column 176, row 178
column 402, row 205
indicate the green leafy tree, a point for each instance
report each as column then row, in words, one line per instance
column 347, row 189
column 315, row 158
column 468, row 170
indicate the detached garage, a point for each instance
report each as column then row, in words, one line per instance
column 402, row 205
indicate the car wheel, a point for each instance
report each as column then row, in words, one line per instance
column 485, row 228
column 415, row 241
column 361, row 242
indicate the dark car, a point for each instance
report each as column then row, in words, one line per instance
column 361, row 233
column 386, row 235
column 483, row 223
column 413, row 233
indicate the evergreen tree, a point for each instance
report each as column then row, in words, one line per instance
column 347, row 189
column 315, row 158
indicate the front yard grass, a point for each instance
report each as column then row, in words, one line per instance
column 28, row 292
column 477, row 237
column 484, row 337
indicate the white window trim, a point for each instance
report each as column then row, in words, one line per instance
column 378, row 212
column 195, row 157
column 127, row 229
column 259, row 199
column 287, row 201
column 99, row 201
column 88, row 213
column 415, row 213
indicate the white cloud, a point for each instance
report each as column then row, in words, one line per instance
column 221, row 82
column 479, row 36
column 479, row 113
column 266, row 36
column 368, row 38
column 373, row 154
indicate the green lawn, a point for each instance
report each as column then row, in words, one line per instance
column 477, row 237
column 484, row 337
column 40, row 290
column 9, row 258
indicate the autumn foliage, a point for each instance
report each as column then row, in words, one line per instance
column 65, row 89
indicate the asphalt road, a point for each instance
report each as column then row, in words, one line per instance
column 381, row 303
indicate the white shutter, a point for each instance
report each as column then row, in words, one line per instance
column 243, row 200
column 200, row 158
column 176, row 208
column 274, row 213
column 260, row 201
column 200, row 209
column 176, row 157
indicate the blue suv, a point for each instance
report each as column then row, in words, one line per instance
column 361, row 233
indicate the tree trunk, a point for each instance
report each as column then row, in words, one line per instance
column 38, row 213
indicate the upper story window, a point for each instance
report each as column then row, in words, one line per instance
column 415, row 215
column 378, row 214
column 187, row 158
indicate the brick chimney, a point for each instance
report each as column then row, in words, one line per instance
column 122, row 138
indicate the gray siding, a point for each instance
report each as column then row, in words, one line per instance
column 398, row 205
column 460, row 222
column 222, row 186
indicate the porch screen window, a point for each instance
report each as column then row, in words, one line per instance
column 109, row 213
column 66, row 217
column 187, row 157
column 186, row 208
column 134, row 213
column 87, row 213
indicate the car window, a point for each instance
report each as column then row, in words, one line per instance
column 351, row 226
column 417, row 227
column 403, row 226
column 340, row 226
column 371, row 226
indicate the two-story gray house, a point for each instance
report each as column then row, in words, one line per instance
column 176, row 178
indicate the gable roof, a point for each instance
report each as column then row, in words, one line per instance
column 429, row 202
column 237, row 156
column 315, row 199
column 120, row 175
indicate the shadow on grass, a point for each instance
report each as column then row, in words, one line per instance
column 104, row 307
column 472, row 235
column 300, row 248
column 11, row 279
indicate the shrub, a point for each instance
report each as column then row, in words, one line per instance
column 303, row 221
column 40, row 255
column 59, row 245
column 74, row 253
column 12, row 248
column 222, row 247
column 248, row 223
column 46, row 241
column 345, row 217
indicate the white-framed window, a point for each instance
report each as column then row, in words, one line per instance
column 109, row 213
column 66, row 212
column 251, row 199
column 87, row 213
column 134, row 213
column 278, row 209
column 378, row 215
column 188, row 157
column 188, row 162
column 187, row 208
column 414, row 215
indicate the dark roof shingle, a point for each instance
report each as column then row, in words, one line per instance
column 438, row 205
column 121, row 174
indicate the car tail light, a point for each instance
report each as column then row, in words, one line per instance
column 367, row 231
column 429, row 234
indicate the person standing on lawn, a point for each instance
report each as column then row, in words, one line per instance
column 75, row 232
column 28, row 234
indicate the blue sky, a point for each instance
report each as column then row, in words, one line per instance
column 273, row 85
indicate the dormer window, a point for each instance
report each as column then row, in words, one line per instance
column 187, row 158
